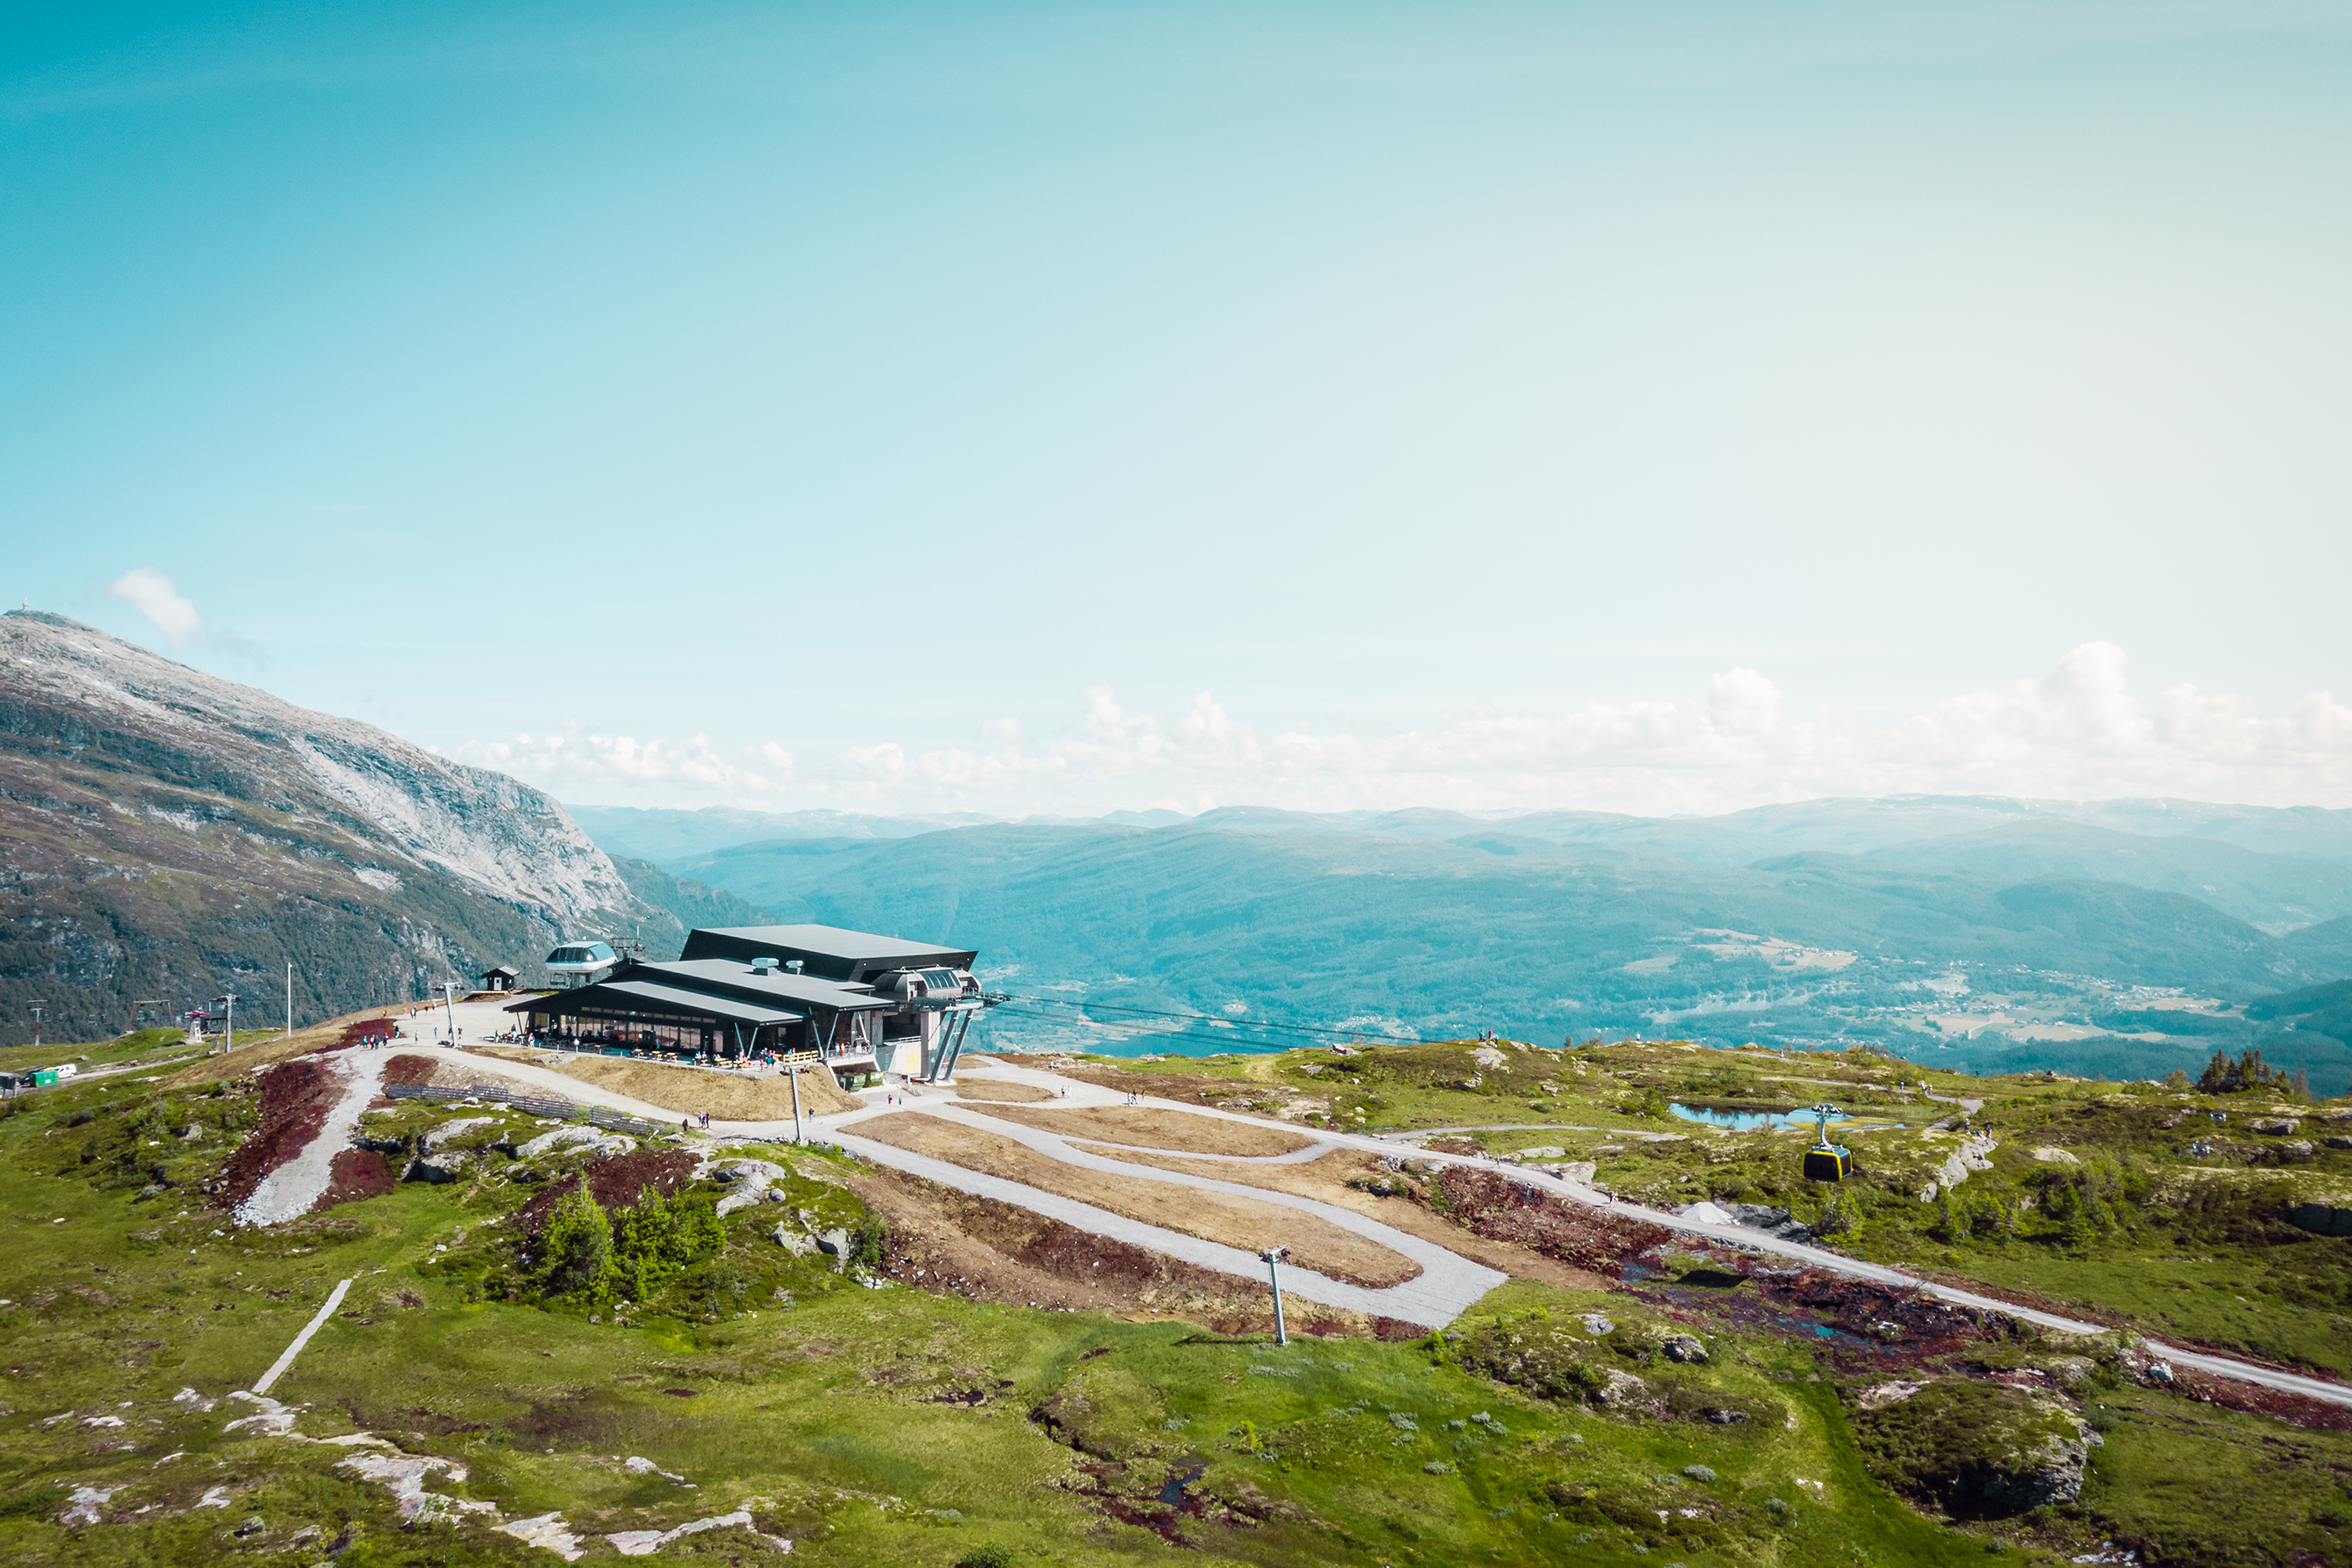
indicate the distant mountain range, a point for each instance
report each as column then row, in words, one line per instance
column 2006, row 932
column 168, row 837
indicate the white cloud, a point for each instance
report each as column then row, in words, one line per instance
column 155, row 596
column 582, row 766
column 2078, row 732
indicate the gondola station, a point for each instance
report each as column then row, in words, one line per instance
column 860, row 1004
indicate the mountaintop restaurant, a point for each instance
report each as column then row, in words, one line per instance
column 859, row 1003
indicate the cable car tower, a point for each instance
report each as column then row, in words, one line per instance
column 1825, row 1161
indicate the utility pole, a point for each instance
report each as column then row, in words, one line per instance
column 229, row 1037
column 1274, row 1255
column 36, row 1007
column 289, row 999
column 449, row 1003
column 792, row 1071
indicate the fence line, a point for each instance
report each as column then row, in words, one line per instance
column 535, row 1104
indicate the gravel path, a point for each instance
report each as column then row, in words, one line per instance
column 1447, row 1287
column 1448, row 1282
column 1420, row 1132
column 1819, row 1257
column 290, row 1191
column 1074, row 1095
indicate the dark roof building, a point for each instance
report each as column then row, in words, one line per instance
column 876, row 1005
column 827, row 950
column 500, row 977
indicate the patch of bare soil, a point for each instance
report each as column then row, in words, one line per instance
column 1149, row 1127
column 691, row 1092
column 1328, row 1178
column 1237, row 1222
column 956, row 1244
column 1006, row 1093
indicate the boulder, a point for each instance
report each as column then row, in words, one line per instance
column 1540, row 1153
column 2050, row 1156
column 560, row 1138
column 1683, row 1347
column 1705, row 1213
column 1977, row 1449
column 2294, row 1149
column 2070, row 1371
column 445, row 1167
column 727, row 1171
column 835, row 1244
column 1972, row 1156
column 437, row 1137
column 1599, row 1327
column 1621, row 1390
column 1763, row 1216
column 748, row 1182
column 2321, row 1219
column 2273, row 1123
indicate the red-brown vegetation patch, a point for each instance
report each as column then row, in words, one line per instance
column 614, row 1181
column 367, row 1031
column 357, row 1173
column 2256, row 1400
column 295, row 1098
column 1491, row 1205
column 408, row 1069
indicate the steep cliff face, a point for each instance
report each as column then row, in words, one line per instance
column 168, row 834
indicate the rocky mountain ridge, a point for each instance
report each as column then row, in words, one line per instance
column 166, row 835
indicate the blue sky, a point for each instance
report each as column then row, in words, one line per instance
column 1010, row 408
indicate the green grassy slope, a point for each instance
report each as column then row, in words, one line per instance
column 886, row 1424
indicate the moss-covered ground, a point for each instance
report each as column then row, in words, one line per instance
column 2138, row 1230
column 871, row 1422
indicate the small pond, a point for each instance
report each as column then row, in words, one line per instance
column 1740, row 1120
column 1766, row 1120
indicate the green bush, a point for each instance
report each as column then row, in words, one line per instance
column 575, row 1258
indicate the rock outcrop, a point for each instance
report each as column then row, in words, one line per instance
column 168, row 831
column 2321, row 1218
column 1976, row 1449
